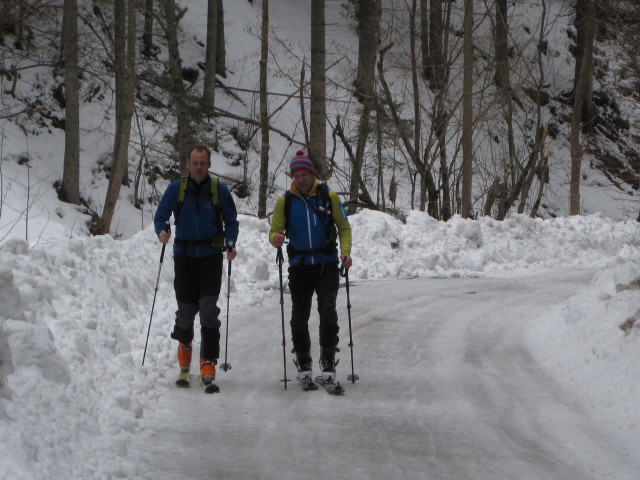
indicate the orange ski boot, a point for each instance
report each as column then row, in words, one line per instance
column 184, row 360
column 208, row 375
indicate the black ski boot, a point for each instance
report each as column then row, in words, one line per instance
column 305, row 372
column 328, row 364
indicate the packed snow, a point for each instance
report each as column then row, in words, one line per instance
column 76, row 403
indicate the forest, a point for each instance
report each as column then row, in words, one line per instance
column 467, row 107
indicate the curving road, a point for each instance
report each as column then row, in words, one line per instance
column 448, row 390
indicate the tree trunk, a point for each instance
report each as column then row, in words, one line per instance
column 264, row 113
column 582, row 82
column 357, row 161
column 442, row 122
column 380, row 197
column 543, row 177
column 368, row 27
column 209, row 89
column 303, row 117
column 502, row 81
column 467, row 112
column 501, row 36
column 221, row 51
column 424, row 38
column 124, row 54
column 585, row 20
column 538, row 150
column 434, row 66
column 430, row 189
column 366, row 92
column 70, row 188
column 147, row 35
column 417, row 129
column 177, row 91
column 317, row 116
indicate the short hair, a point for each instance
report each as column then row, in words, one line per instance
column 199, row 148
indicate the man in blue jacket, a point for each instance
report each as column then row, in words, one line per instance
column 203, row 232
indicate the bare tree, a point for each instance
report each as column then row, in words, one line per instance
column 70, row 188
column 318, row 110
column 433, row 33
column 177, row 90
column 147, row 35
column 124, row 55
column 209, row 89
column 436, row 65
column 221, row 50
column 501, row 42
column 585, row 15
column 582, row 85
column 467, row 112
column 427, row 185
column 368, row 26
column 368, row 30
column 264, row 113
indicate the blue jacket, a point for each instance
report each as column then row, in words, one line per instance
column 197, row 220
column 307, row 227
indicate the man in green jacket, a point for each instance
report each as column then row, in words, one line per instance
column 313, row 219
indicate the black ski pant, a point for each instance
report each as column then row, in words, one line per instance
column 197, row 285
column 323, row 279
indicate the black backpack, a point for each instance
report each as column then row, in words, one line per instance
column 323, row 213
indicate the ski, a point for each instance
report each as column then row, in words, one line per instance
column 183, row 379
column 307, row 384
column 331, row 387
column 208, row 385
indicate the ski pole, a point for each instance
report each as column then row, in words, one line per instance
column 226, row 365
column 164, row 245
column 345, row 273
column 279, row 262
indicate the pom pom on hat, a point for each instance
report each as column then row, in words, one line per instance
column 301, row 162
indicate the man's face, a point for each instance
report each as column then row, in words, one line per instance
column 303, row 180
column 198, row 165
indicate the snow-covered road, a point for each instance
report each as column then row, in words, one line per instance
column 448, row 389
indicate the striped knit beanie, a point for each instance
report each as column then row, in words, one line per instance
column 301, row 162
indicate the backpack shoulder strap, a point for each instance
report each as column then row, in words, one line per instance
column 218, row 240
column 288, row 199
column 215, row 198
column 322, row 191
column 182, row 192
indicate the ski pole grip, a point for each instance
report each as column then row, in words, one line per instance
column 167, row 228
